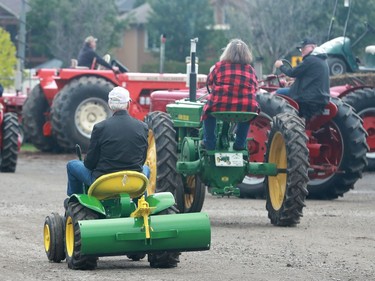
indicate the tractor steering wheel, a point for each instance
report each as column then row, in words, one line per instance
column 278, row 72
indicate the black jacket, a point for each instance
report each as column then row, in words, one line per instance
column 117, row 143
column 86, row 57
column 312, row 79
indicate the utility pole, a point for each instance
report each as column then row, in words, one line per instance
column 21, row 46
column 163, row 38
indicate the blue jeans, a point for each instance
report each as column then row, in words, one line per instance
column 209, row 136
column 78, row 176
column 283, row 91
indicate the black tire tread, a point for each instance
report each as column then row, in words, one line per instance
column 78, row 213
column 354, row 157
column 9, row 151
column 63, row 114
column 360, row 100
column 293, row 131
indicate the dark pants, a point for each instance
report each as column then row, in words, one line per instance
column 209, row 136
column 306, row 110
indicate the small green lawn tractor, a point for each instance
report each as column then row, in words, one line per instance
column 116, row 216
column 177, row 137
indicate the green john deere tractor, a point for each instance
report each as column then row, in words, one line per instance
column 120, row 214
column 177, row 137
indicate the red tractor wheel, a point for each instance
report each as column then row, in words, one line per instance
column 34, row 116
column 344, row 141
column 363, row 101
column 77, row 108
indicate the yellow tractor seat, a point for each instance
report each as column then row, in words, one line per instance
column 114, row 184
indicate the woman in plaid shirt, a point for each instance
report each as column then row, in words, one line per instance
column 233, row 85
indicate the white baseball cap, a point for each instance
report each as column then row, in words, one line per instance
column 118, row 98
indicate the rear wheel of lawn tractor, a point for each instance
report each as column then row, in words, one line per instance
column 53, row 233
column 9, row 151
column 77, row 108
column 165, row 259
column 363, row 101
column 75, row 213
column 270, row 105
column 34, row 116
column 286, row 192
column 162, row 157
column 345, row 136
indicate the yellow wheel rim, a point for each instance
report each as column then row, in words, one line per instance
column 277, row 184
column 189, row 197
column 69, row 236
column 47, row 238
column 151, row 163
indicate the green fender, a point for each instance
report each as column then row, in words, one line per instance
column 90, row 202
column 161, row 201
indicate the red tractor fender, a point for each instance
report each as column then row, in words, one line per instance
column 342, row 90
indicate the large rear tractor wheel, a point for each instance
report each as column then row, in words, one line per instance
column 53, row 233
column 270, row 105
column 363, row 101
column 77, row 108
column 35, row 113
column 9, row 151
column 162, row 157
column 165, row 259
column 75, row 213
column 345, row 138
column 286, row 192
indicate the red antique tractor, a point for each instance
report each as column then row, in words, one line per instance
column 61, row 111
column 337, row 143
column 354, row 92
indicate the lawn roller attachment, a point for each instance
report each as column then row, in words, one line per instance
column 124, row 236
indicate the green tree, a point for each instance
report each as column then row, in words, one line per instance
column 7, row 59
column 181, row 21
column 59, row 27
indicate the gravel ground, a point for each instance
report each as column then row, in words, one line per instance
column 334, row 241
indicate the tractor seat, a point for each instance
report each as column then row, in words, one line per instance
column 111, row 185
column 234, row 116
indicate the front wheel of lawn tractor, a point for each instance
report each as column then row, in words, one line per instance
column 76, row 212
column 53, row 234
column 286, row 192
column 165, row 259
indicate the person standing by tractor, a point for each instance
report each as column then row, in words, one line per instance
column 233, row 85
column 88, row 57
column 117, row 143
column 310, row 88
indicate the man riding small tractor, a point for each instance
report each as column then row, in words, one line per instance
column 121, row 213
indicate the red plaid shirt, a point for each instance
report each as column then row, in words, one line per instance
column 233, row 88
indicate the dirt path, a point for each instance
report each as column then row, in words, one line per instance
column 335, row 240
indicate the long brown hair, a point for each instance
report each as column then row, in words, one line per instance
column 237, row 52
